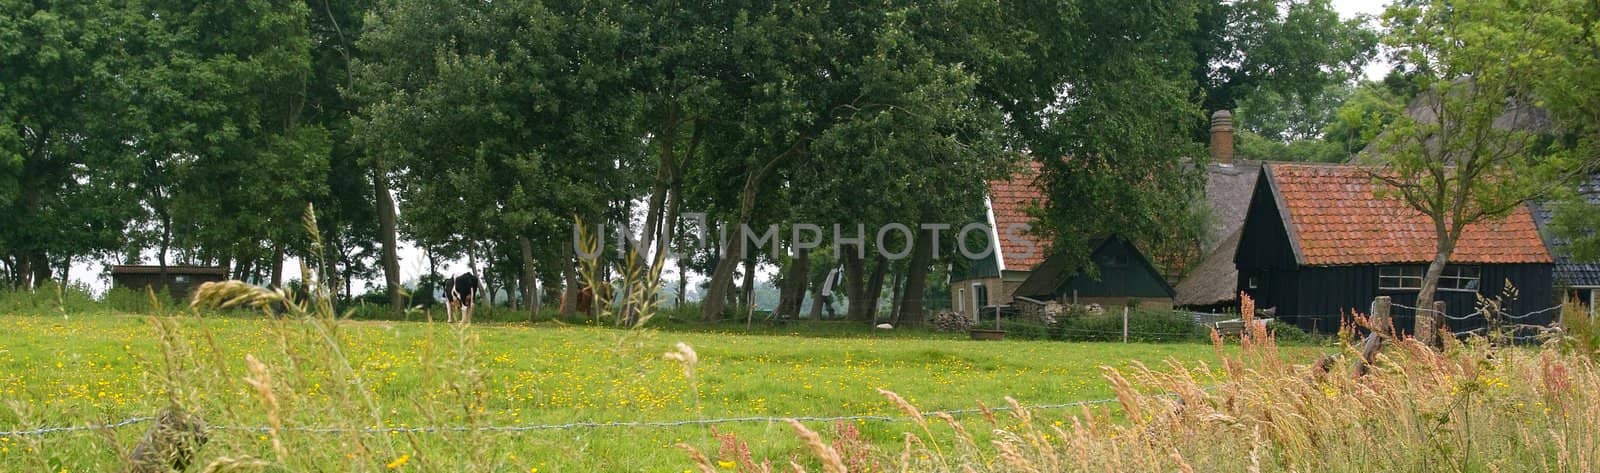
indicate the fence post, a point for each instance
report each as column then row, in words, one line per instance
column 1124, row 324
column 1441, row 325
column 1426, row 332
column 1380, row 324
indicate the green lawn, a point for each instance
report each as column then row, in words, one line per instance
column 57, row 370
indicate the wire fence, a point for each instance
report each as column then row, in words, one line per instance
column 1481, row 313
column 562, row 426
column 1499, row 315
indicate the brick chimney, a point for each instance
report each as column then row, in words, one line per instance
column 1222, row 138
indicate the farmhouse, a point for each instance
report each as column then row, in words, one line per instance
column 180, row 280
column 1318, row 243
column 1017, row 273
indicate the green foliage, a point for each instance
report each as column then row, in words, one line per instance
column 1290, row 49
column 1329, row 127
column 49, row 298
column 130, row 301
column 1575, row 219
column 1144, row 326
column 1288, row 333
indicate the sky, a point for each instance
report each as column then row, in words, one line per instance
column 413, row 263
column 1349, row 9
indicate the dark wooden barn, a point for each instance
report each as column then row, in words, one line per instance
column 1318, row 242
column 180, row 282
column 1125, row 277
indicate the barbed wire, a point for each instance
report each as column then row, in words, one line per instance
column 563, row 426
column 76, row 428
column 1502, row 314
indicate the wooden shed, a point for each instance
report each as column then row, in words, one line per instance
column 1319, row 242
column 180, row 281
column 1125, row 277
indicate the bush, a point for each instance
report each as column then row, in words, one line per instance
column 1288, row 333
column 1143, row 326
column 49, row 299
column 139, row 302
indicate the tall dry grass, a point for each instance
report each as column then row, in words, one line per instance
column 1470, row 407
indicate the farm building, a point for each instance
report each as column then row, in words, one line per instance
column 1126, row 277
column 1577, row 281
column 1211, row 284
column 1318, row 243
column 1125, row 274
column 180, row 280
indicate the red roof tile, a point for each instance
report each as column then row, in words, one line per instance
column 1336, row 218
column 1010, row 200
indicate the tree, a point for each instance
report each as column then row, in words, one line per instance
column 1474, row 145
column 65, row 129
column 1295, row 48
column 502, row 120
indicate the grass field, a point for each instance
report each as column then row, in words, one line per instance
column 89, row 368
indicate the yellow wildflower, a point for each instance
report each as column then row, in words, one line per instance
column 726, row 464
column 399, row 462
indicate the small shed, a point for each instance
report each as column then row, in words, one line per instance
column 1125, row 277
column 181, row 280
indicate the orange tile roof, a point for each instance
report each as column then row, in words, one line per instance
column 1335, row 218
column 1010, row 199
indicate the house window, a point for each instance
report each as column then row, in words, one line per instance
column 1253, row 282
column 980, row 297
column 961, row 300
column 1400, row 278
column 180, row 279
column 1459, row 278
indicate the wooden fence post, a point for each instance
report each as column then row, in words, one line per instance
column 1380, row 324
column 169, row 444
column 1426, row 330
column 1440, row 325
column 1124, row 324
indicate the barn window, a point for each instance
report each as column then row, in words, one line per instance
column 980, row 297
column 1459, row 278
column 1400, row 278
column 1254, row 282
column 180, row 279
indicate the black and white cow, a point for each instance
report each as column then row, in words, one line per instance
column 459, row 293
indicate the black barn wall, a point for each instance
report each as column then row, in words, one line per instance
column 1328, row 292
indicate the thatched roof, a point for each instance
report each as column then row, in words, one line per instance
column 1228, row 190
column 1215, row 280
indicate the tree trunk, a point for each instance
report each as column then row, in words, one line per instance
column 388, row 230
column 874, row 289
column 683, row 281
column 749, row 289
column 166, row 246
column 277, row 265
column 817, row 300
column 712, row 305
column 569, row 273
column 794, row 285
column 1426, row 325
column 528, row 276
column 722, row 277
column 910, row 313
column 854, row 284
column 894, row 296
